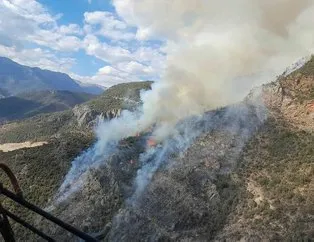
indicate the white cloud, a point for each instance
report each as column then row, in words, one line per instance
column 151, row 56
column 105, row 52
column 37, row 57
column 127, row 71
column 70, row 43
column 134, row 68
column 29, row 9
column 28, row 20
column 108, row 70
column 143, row 34
column 55, row 40
column 144, row 63
column 107, row 76
column 71, row 29
column 107, row 24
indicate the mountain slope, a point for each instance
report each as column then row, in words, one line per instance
column 16, row 78
column 276, row 167
column 32, row 103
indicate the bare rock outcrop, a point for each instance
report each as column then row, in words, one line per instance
column 85, row 116
column 293, row 98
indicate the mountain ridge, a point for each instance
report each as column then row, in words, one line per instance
column 31, row 103
column 16, row 78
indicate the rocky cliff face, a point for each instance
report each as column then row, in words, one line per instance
column 293, row 98
column 85, row 116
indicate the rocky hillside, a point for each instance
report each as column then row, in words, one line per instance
column 16, row 78
column 29, row 104
column 247, row 174
column 275, row 170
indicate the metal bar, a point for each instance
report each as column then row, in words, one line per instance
column 14, row 182
column 27, row 225
column 48, row 216
column 5, row 228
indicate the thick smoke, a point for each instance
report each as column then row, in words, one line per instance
column 217, row 50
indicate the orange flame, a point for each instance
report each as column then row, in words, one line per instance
column 151, row 142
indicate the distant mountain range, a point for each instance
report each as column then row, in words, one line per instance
column 16, row 78
column 29, row 104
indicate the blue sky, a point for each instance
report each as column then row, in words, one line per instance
column 86, row 39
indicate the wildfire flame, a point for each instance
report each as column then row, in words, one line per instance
column 151, row 142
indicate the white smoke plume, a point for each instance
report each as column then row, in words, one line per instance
column 109, row 133
column 154, row 157
column 217, row 49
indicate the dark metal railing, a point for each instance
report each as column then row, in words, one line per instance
column 5, row 227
